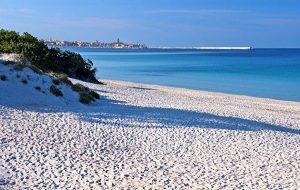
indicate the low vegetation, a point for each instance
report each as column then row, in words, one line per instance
column 60, row 65
column 55, row 91
column 38, row 88
column 64, row 79
column 47, row 59
column 79, row 88
column 61, row 77
column 86, row 98
column 24, row 81
column 8, row 62
column 55, row 81
column 86, row 95
column 35, row 69
column 95, row 94
column 18, row 67
column 3, row 77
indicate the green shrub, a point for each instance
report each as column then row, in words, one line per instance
column 8, row 62
column 19, row 67
column 35, row 69
column 55, row 81
column 3, row 77
column 37, row 88
column 55, row 91
column 66, row 81
column 24, row 81
column 94, row 94
column 62, row 78
column 47, row 59
column 86, row 98
column 86, row 95
column 79, row 88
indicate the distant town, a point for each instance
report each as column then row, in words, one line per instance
column 95, row 44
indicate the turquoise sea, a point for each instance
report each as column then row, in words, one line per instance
column 270, row 73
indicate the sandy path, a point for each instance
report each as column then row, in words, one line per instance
column 144, row 136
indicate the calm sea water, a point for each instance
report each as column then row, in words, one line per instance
column 271, row 73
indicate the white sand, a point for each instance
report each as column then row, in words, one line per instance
column 144, row 136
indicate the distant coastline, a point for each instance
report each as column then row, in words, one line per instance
column 122, row 45
column 210, row 48
column 96, row 44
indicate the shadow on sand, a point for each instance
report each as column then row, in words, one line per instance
column 106, row 111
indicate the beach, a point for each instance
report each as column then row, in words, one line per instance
column 265, row 73
column 140, row 136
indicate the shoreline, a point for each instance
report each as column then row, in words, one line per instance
column 271, row 111
column 120, row 82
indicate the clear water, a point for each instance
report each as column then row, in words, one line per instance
column 270, row 73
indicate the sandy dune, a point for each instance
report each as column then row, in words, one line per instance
column 151, row 137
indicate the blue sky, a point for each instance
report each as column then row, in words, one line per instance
column 259, row 23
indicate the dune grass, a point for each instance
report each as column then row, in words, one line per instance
column 3, row 77
column 24, row 81
column 55, row 91
column 38, row 88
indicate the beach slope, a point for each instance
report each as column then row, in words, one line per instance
column 151, row 136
